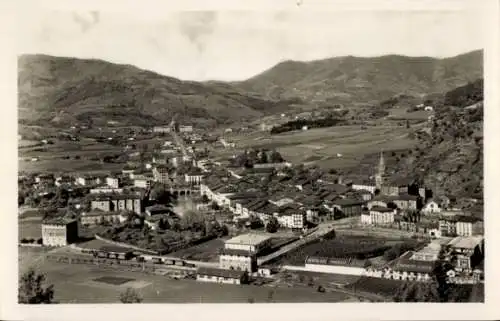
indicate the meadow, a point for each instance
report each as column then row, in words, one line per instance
column 333, row 147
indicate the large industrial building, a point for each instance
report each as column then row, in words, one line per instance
column 240, row 252
column 253, row 243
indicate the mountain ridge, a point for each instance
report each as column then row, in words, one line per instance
column 365, row 78
column 63, row 90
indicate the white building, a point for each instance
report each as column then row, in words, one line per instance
column 431, row 207
column 347, row 266
column 113, row 182
column 221, row 276
column 253, row 243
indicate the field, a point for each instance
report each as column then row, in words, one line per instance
column 30, row 228
column 206, row 251
column 67, row 165
column 321, row 146
column 113, row 280
column 76, row 284
column 361, row 247
column 384, row 287
column 403, row 114
column 70, row 156
column 323, row 279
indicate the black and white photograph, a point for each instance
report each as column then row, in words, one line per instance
column 295, row 154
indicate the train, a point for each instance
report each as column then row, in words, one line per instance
column 128, row 255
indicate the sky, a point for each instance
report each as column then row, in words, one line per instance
column 236, row 45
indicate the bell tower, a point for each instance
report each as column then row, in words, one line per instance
column 379, row 177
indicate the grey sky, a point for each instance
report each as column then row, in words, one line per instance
column 233, row 45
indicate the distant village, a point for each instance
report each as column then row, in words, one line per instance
column 248, row 198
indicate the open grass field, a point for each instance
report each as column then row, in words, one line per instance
column 67, row 165
column 403, row 114
column 384, row 287
column 321, row 146
column 323, row 279
column 342, row 246
column 77, row 284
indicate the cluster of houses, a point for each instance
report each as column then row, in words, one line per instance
column 271, row 191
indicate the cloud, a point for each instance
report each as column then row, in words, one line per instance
column 197, row 26
column 86, row 21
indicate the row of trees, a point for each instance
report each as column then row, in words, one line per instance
column 257, row 156
column 300, row 123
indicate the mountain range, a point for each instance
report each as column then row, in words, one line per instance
column 63, row 90
column 366, row 79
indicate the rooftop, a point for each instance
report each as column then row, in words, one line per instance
column 114, row 249
column 236, row 252
column 100, row 213
column 234, row 274
column 405, row 263
column 461, row 218
column 248, row 239
column 463, row 242
column 58, row 221
column 114, row 196
column 347, row 261
column 381, row 209
column 157, row 207
column 348, row 202
column 405, row 197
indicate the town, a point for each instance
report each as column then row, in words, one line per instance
column 252, row 219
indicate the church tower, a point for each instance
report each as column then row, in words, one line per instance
column 379, row 177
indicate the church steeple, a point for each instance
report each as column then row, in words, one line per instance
column 379, row 177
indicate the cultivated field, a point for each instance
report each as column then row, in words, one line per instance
column 403, row 114
column 67, row 165
column 359, row 246
column 30, row 228
column 321, row 146
column 205, row 252
column 384, row 287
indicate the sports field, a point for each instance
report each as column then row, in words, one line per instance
column 88, row 284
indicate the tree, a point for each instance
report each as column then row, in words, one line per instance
column 276, row 157
column 418, row 292
column 263, row 159
column 223, row 230
column 130, row 296
column 273, row 225
column 32, row 290
column 163, row 224
column 214, row 206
